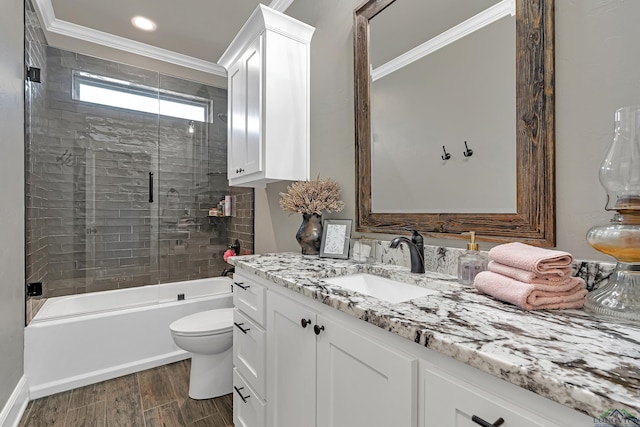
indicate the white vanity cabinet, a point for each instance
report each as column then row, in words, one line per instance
column 249, row 352
column 268, row 100
column 322, row 372
column 324, row 368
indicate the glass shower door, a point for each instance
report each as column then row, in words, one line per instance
column 90, row 223
column 123, row 166
column 192, row 179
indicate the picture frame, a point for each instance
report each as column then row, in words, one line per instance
column 336, row 234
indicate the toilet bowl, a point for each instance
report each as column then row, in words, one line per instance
column 208, row 336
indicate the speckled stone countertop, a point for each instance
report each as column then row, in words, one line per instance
column 569, row 356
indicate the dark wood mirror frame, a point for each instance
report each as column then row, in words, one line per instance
column 534, row 221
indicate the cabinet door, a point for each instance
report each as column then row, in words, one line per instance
column 236, row 131
column 361, row 382
column 253, row 66
column 291, row 361
column 244, row 121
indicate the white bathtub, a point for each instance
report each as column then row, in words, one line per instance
column 83, row 339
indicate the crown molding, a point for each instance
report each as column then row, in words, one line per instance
column 280, row 5
column 263, row 18
column 482, row 19
column 57, row 26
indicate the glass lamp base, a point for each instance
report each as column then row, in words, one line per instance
column 620, row 297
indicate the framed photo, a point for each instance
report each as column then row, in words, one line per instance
column 335, row 238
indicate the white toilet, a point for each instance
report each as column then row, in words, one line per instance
column 208, row 335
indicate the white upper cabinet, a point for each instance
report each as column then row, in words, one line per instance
column 268, row 100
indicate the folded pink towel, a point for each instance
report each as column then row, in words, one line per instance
column 531, row 258
column 528, row 276
column 530, row 296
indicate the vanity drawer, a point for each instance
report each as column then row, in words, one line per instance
column 249, row 351
column 451, row 402
column 249, row 297
column 248, row 408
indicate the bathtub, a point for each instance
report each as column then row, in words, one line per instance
column 83, row 339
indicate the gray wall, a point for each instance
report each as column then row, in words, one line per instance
column 12, row 205
column 596, row 72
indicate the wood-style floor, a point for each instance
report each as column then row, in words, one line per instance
column 155, row 397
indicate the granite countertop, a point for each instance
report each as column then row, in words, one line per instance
column 569, row 356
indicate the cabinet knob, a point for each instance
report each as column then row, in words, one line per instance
column 317, row 329
column 240, row 285
column 484, row 423
column 239, row 391
column 305, row 322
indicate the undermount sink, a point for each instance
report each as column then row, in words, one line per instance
column 380, row 287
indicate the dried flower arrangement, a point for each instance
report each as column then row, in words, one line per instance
column 312, row 197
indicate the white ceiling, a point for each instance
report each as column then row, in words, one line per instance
column 191, row 33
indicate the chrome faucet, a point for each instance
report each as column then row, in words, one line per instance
column 416, row 250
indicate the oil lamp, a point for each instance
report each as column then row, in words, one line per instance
column 620, row 176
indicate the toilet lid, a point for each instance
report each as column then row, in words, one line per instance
column 208, row 322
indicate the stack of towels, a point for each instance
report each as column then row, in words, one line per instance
column 531, row 278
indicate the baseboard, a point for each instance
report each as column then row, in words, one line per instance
column 70, row 383
column 13, row 410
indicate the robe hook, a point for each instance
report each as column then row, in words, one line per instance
column 467, row 152
column 446, row 156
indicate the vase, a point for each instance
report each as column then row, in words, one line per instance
column 309, row 235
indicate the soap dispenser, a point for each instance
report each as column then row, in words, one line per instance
column 471, row 262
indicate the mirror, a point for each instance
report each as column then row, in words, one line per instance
column 527, row 215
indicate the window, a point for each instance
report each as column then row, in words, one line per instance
column 121, row 94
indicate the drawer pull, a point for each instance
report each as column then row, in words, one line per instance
column 484, row 423
column 239, row 325
column 305, row 322
column 244, row 398
column 317, row 329
column 239, row 284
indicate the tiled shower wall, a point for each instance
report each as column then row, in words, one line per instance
column 90, row 225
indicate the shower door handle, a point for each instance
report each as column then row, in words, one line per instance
column 150, row 187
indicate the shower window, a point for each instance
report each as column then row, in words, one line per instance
column 121, row 94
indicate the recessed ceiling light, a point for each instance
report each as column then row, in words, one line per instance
column 143, row 23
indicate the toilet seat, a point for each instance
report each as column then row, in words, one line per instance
column 210, row 322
